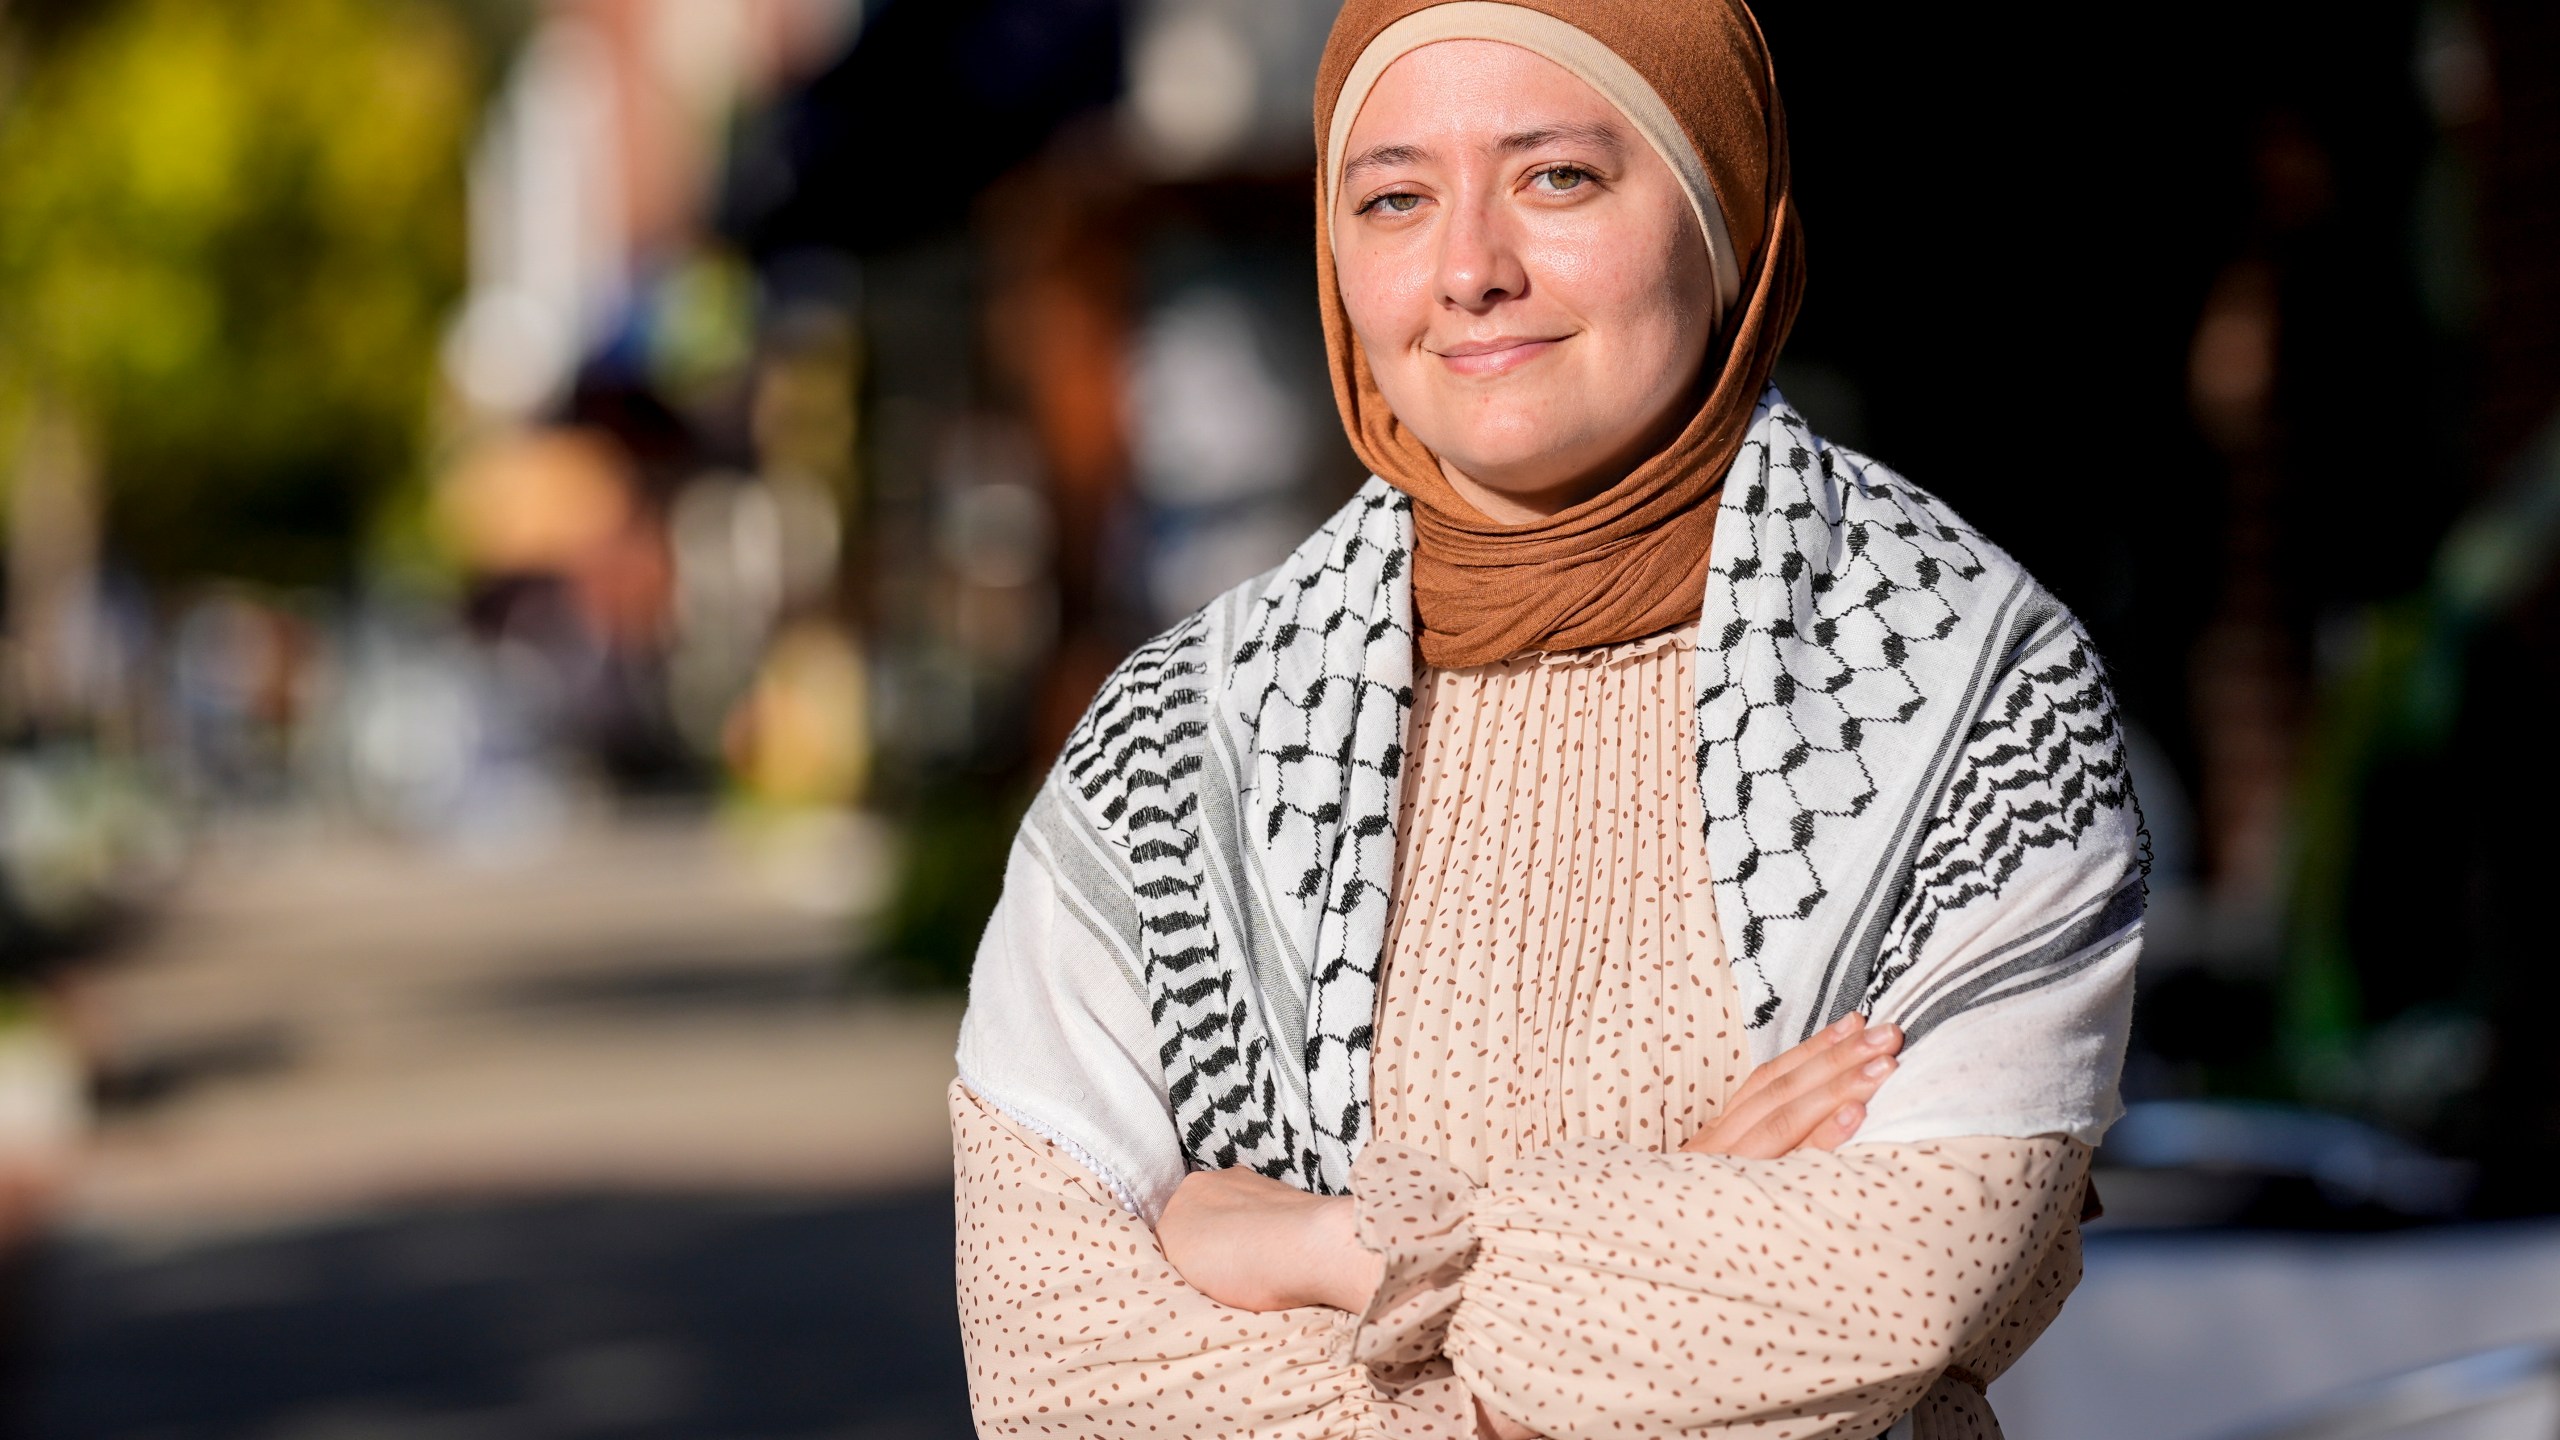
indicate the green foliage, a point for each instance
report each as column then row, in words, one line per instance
column 230, row 231
column 953, row 871
column 2396, row 699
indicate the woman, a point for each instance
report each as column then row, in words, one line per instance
column 1629, row 929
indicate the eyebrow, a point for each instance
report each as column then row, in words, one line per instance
column 1598, row 134
column 1380, row 157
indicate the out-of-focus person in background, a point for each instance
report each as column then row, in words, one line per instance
column 1640, row 875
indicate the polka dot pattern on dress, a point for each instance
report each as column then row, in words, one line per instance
column 1557, row 1011
column 1556, row 1017
column 1074, row 1324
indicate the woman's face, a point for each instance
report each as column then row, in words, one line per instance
column 1524, row 272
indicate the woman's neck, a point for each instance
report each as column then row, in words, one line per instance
column 1504, row 507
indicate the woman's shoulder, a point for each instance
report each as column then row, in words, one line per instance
column 1343, row 565
column 1333, row 590
column 1821, row 489
column 1860, row 542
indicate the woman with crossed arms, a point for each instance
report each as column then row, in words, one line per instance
column 1629, row 930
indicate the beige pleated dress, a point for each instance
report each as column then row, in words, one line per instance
column 1556, row 1018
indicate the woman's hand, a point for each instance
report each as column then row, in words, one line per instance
column 1813, row 1097
column 1247, row 1240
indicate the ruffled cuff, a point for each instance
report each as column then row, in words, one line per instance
column 1439, row 1406
column 1412, row 1210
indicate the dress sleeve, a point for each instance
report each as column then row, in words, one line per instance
column 1074, row 1323
column 1603, row 1289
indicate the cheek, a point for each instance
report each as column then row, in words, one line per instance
column 1573, row 260
column 1598, row 272
column 1620, row 277
column 1387, row 296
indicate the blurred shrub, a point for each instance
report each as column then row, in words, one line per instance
column 952, row 872
column 229, row 233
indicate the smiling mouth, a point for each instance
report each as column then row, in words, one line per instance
column 1495, row 357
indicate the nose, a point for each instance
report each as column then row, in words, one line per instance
column 1479, row 259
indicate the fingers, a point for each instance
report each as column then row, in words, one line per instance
column 1836, row 1128
column 1815, row 1069
column 1788, row 1111
column 1798, row 1056
column 1822, row 1111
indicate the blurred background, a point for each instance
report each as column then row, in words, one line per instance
column 546, row 543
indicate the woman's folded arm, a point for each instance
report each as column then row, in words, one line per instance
column 1605, row 1289
column 1075, row 1324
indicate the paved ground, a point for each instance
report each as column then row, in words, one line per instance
column 583, row 1142
column 711, row 1316
column 594, row 1143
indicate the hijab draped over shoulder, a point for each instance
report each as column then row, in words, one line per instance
column 1694, row 79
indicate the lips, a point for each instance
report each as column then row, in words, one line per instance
column 1497, row 356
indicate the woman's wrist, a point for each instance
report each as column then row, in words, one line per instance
column 1341, row 1272
column 1249, row 1241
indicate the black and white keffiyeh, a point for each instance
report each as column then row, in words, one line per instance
column 1916, row 803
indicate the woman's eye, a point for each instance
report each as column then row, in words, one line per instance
column 1397, row 202
column 1562, row 178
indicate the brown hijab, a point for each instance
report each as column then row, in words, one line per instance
column 1631, row 560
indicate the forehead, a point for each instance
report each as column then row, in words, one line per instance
column 1473, row 91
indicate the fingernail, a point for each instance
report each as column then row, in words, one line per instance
column 1846, row 1025
column 1880, row 1036
column 1848, row 1117
column 1879, row 1068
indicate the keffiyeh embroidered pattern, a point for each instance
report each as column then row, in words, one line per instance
column 1325, row 677
column 1908, row 759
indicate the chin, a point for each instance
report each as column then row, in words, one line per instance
column 1519, row 460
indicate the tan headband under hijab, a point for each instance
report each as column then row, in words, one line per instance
column 1591, row 62
column 1693, row 77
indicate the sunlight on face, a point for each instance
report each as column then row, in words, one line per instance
column 1524, row 272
